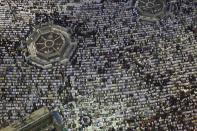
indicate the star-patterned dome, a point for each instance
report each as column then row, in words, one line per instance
column 49, row 44
column 151, row 8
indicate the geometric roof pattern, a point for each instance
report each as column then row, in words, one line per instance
column 49, row 44
column 151, row 8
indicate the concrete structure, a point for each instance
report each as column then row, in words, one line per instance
column 150, row 10
column 40, row 120
column 36, row 121
column 49, row 44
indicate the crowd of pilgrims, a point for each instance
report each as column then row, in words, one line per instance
column 125, row 74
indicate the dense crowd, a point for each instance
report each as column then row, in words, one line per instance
column 125, row 74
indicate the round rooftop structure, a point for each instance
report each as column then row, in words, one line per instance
column 150, row 9
column 49, row 44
